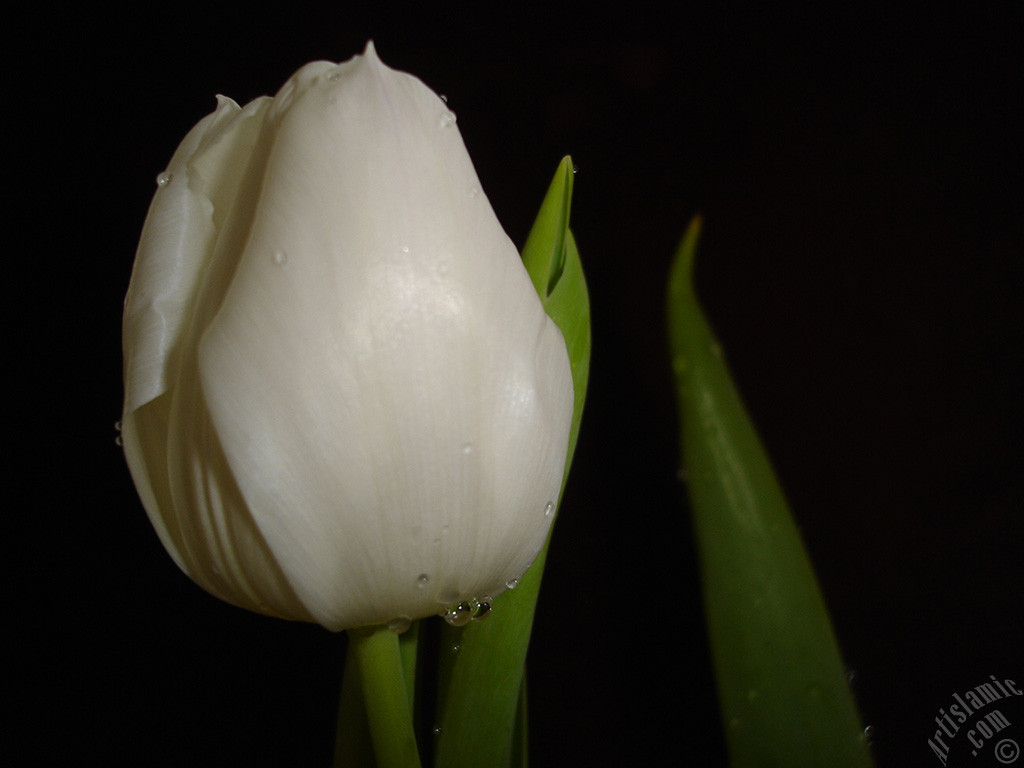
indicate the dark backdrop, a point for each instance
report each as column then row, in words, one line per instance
column 859, row 173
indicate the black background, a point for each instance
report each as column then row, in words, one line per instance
column 859, row 173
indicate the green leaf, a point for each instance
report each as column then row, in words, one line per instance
column 781, row 682
column 480, row 684
column 521, row 736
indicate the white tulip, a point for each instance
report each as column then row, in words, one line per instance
column 344, row 402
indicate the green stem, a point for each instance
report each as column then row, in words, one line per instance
column 408, row 650
column 352, row 745
column 377, row 654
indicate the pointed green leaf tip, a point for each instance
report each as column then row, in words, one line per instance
column 553, row 262
column 481, row 705
column 681, row 276
column 781, row 682
column 546, row 248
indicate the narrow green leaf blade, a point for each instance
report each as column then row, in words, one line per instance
column 551, row 250
column 782, row 685
column 482, row 680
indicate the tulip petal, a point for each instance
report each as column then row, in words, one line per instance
column 177, row 242
column 200, row 211
column 388, row 392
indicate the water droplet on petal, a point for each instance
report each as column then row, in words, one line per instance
column 459, row 615
column 467, row 448
column 481, row 609
column 334, row 75
column 280, row 257
column 443, row 98
column 456, row 648
column 399, row 624
column 448, row 119
column 549, row 508
column 474, row 192
column 118, row 441
column 512, row 583
column 437, row 730
column 868, row 735
column 405, row 249
column 164, row 178
column 421, row 580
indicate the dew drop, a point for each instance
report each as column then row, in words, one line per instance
column 280, row 257
column 448, row 119
column 512, row 583
column 437, row 730
column 399, row 624
column 334, row 75
column 164, row 178
column 405, row 249
column 481, row 609
column 474, row 192
column 118, row 425
column 422, row 580
column 868, row 735
column 443, row 98
column 118, row 441
column 467, row 448
column 851, row 675
column 456, row 648
column 549, row 508
column 459, row 615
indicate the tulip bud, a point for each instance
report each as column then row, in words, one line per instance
column 343, row 400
